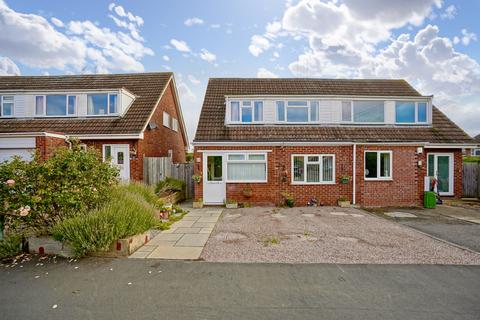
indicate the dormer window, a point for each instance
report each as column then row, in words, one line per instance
column 246, row 111
column 297, row 111
column 6, row 106
column 102, row 104
column 55, row 105
column 410, row 112
column 372, row 111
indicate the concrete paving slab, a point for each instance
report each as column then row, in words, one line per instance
column 176, row 253
column 400, row 214
column 192, row 240
column 203, row 225
column 184, row 224
column 139, row 254
column 206, row 230
column 190, row 218
column 187, row 230
column 171, row 230
column 147, row 248
column 167, row 236
column 208, row 219
column 336, row 213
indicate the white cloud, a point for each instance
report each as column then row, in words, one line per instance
column 449, row 13
column 207, row 55
column 264, row 73
column 465, row 38
column 82, row 47
column 166, row 58
column 193, row 80
column 57, row 22
column 215, row 26
column 8, row 67
column 180, row 45
column 193, row 21
column 258, row 44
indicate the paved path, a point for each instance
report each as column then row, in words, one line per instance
column 157, row 289
column 185, row 239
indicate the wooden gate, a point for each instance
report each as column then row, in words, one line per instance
column 471, row 180
column 157, row 169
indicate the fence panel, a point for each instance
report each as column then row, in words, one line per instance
column 157, row 169
column 471, row 183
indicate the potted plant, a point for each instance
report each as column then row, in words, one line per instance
column 345, row 179
column 343, row 202
column 197, row 178
column 231, row 204
column 198, row 204
column 248, row 192
column 289, row 200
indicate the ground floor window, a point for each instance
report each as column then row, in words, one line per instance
column 476, row 152
column 378, row 165
column 313, row 169
column 246, row 167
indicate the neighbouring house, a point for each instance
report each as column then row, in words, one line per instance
column 372, row 142
column 476, row 151
column 125, row 116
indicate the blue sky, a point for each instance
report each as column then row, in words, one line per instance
column 431, row 43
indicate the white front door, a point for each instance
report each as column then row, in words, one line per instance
column 440, row 166
column 119, row 156
column 214, row 186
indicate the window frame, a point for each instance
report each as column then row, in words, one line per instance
column 369, row 122
column 2, row 114
column 351, row 111
column 320, row 163
column 415, row 111
column 378, row 152
column 253, row 102
column 45, row 105
column 286, row 106
column 174, row 124
column 108, row 114
column 166, row 117
column 246, row 159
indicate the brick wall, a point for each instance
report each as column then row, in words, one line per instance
column 158, row 141
column 46, row 145
column 405, row 189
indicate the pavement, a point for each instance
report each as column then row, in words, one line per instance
column 184, row 240
column 454, row 224
column 119, row 289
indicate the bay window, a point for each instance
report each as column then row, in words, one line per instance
column 102, row 104
column 313, row 169
column 410, row 112
column 378, row 165
column 246, row 167
column 246, row 111
column 372, row 111
column 6, row 106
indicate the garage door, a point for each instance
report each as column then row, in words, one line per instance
column 7, row 154
column 22, row 147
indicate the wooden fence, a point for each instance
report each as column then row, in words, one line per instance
column 157, row 169
column 471, row 180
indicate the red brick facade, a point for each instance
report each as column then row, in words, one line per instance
column 46, row 145
column 405, row 188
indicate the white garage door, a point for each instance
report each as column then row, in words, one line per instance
column 21, row 147
column 7, row 154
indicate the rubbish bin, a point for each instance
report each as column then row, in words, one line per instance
column 429, row 199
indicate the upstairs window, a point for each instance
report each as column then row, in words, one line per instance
column 297, row 111
column 280, row 111
column 410, row 112
column 175, row 125
column 102, row 104
column 6, row 106
column 369, row 111
column 166, row 120
column 346, row 111
column 56, row 105
column 246, row 111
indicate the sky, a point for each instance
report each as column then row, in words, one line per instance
column 433, row 44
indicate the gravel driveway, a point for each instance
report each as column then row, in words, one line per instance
column 323, row 235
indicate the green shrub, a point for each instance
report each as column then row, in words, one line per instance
column 471, row 159
column 127, row 213
column 147, row 192
column 10, row 246
column 38, row 194
column 171, row 186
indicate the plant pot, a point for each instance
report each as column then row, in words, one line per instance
column 231, row 205
column 198, row 204
column 344, row 181
column 344, row 204
column 290, row 203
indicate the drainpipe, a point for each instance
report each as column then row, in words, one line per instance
column 354, row 178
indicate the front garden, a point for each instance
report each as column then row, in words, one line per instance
column 75, row 198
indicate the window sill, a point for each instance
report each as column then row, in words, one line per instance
column 311, row 183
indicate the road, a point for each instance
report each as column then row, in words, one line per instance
column 152, row 289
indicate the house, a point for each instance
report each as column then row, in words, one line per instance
column 476, row 151
column 125, row 116
column 370, row 141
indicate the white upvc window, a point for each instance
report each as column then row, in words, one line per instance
column 246, row 167
column 246, row 111
column 175, row 125
column 297, row 111
column 313, row 169
column 7, row 106
column 378, row 165
column 369, row 111
column 55, row 105
column 411, row 112
column 102, row 104
column 347, row 111
column 166, row 119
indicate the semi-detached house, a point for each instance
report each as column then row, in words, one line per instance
column 125, row 116
column 373, row 142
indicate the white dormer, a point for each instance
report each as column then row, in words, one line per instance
column 335, row 110
column 65, row 104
